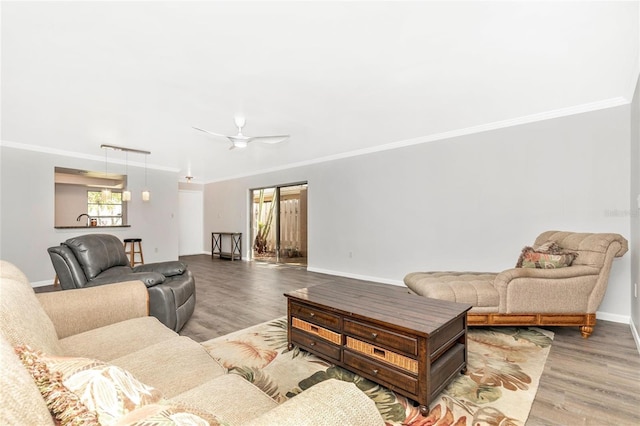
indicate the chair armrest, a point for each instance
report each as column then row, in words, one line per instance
column 168, row 268
column 149, row 279
column 78, row 310
column 331, row 402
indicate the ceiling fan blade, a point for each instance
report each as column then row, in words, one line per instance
column 270, row 139
column 211, row 133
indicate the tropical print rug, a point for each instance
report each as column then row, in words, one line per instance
column 500, row 384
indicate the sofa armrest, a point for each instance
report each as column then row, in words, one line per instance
column 78, row 310
column 331, row 402
column 503, row 279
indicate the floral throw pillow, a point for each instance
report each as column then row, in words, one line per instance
column 547, row 256
column 82, row 391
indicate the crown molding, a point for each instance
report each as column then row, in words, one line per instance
column 63, row 153
column 532, row 118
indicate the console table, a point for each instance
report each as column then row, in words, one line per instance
column 235, row 245
column 411, row 344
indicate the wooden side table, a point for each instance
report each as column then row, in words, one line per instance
column 235, row 245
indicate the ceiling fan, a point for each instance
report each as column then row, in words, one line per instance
column 241, row 141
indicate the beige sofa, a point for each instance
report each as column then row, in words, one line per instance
column 567, row 296
column 110, row 324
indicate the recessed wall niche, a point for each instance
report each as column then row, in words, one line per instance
column 80, row 201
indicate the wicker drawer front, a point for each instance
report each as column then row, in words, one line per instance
column 313, row 344
column 397, row 360
column 315, row 316
column 380, row 373
column 396, row 341
column 329, row 335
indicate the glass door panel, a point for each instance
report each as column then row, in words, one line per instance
column 279, row 224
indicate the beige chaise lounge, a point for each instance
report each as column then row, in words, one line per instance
column 567, row 296
column 110, row 325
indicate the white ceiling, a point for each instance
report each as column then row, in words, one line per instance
column 340, row 77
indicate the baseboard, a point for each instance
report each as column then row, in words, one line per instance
column 42, row 283
column 355, row 276
column 634, row 332
column 606, row 316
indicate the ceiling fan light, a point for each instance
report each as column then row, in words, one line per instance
column 240, row 144
column 240, row 121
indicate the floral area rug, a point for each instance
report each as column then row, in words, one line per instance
column 504, row 367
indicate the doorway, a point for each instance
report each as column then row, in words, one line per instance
column 279, row 224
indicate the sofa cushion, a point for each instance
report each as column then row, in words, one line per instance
column 21, row 315
column 20, row 400
column 236, row 400
column 97, row 253
column 168, row 413
column 169, row 365
column 546, row 256
column 97, row 392
column 116, row 340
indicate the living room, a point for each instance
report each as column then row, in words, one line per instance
column 560, row 152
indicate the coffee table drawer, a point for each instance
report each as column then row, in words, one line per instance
column 381, row 373
column 378, row 336
column 315, row 316
column 314, row 344
column 316, row 330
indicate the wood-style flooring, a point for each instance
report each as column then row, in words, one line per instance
column 593, row 381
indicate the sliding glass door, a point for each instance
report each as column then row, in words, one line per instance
column 279, row 224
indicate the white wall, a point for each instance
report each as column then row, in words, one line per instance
column 634, row 217
column 467, row 203
column 190, row 221
column 27, row 211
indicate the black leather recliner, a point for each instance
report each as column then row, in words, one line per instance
column 97, row 259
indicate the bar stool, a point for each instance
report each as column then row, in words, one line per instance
column 130, row 246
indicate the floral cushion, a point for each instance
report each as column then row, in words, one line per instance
column 85, row 391
column 547, row 256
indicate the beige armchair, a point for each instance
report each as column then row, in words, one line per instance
column 567, row 296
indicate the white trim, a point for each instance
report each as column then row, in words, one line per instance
column 606, row 316
column 548, row 115
column 356, row 276
column 53, row 151
column 42, row 283
column 634, row 332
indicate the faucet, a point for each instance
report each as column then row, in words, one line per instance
column 84, row 214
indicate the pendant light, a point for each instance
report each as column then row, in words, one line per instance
column 126, row 194
column 145, row 194
column 106, row 192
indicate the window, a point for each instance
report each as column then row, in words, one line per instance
column 107, row 212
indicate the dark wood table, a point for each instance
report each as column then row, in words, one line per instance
column 235, row 245
column 410, row 344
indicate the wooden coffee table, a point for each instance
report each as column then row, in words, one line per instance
column 410, row 344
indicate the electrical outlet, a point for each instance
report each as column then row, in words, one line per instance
column 635, row 290
column 350, row 255
column 156, row 250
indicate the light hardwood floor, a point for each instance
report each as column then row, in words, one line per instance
column 593, row 381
